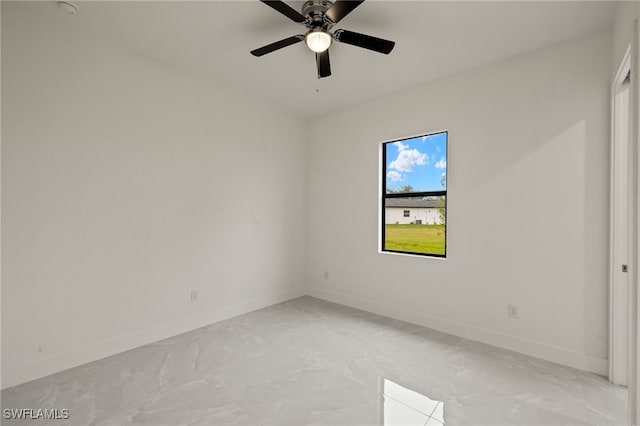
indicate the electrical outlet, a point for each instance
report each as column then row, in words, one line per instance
column 512, row 311
column 195, row 295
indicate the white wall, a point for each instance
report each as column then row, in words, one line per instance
column 528, row 181
column 117, row 180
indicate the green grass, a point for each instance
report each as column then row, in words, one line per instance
column 428, row 239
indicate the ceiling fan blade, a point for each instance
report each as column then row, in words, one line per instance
column 286, row 10
column 324, row 66
column 341, row 8
column 277, row 45
column 365, row 41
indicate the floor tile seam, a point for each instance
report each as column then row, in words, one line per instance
column 410, row 407
column 434, row 419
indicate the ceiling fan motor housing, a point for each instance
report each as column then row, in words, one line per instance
column 315, row 10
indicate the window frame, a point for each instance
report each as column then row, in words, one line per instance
column 384, row 196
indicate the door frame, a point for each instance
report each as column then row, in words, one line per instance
column 620, row 213
column 634, row 232
column 632, row 59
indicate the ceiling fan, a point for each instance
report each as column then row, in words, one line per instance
column 319, row 17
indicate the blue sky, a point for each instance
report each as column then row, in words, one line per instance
column 420, row 162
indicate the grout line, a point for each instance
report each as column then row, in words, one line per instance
column 408, row 406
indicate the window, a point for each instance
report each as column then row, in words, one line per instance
column 414, row 195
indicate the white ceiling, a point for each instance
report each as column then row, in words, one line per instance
column 433, row 39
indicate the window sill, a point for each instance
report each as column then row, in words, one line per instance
column 421, row 256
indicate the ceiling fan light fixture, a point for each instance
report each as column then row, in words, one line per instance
column 318, row 40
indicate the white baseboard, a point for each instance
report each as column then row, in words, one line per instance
column 529, row 347
column 82, row 355
column 78, row 356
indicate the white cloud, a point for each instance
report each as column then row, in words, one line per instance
column 401, row 147
column 394, row 176
column 424, row 138
column 441, row 164
column 408, row 159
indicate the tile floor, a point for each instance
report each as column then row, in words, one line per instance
column 311, row 362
